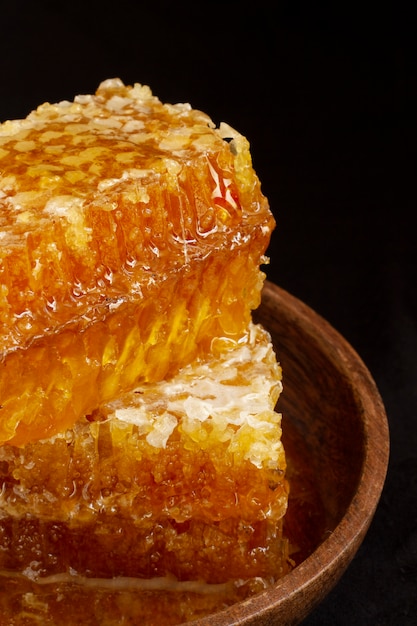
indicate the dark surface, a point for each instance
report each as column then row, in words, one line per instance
column 327, row 99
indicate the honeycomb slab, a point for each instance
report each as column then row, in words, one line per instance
column 175, row 490
column 131, row 235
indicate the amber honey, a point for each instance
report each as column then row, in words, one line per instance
column 176, row 488
column 131, row 235
column 71, row 603
column 142, row 471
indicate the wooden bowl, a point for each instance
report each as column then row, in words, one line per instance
column 337, row 441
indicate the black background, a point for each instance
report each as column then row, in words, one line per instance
column 327, row 98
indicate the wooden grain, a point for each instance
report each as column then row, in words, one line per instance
column 332, row 402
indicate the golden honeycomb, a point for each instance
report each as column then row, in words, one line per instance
column 132, row 234
column 142, row 473
column 172, row 495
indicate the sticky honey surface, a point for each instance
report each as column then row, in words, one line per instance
column 131, row 235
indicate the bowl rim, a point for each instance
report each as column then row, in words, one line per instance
column 331, row 554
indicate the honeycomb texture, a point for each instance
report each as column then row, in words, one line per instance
column 176, row 490
column 132, row 234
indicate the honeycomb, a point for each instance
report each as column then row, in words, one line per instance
column 132, row 234
column 142, row 472
column 171, row 495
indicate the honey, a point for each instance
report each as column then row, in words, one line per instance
column 177, row 487
column 132, row 233
column 143, row 477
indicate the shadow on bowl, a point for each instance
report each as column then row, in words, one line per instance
column 336, row 436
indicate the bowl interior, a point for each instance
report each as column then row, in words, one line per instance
column 323, row 428
column 336, row 438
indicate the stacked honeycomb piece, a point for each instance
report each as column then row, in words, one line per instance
column 138, row 437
